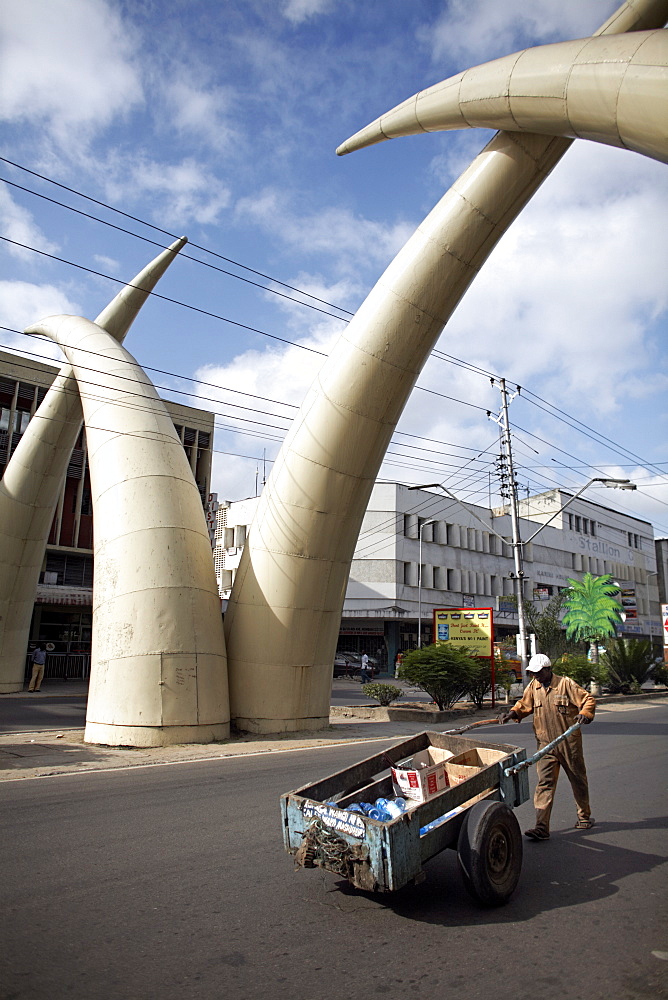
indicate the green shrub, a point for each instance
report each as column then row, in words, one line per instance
column 384, row 693
column 581, row 670
column 630, row 662
column 442, row 670
column 482, row 681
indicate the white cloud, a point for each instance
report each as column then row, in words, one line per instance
column 279, row 373
column 183, row 192
column 298, row 11
column 67, row 65
column 469, row 32
column 200, row 112
column 570, row 291
column 22, row 304
column 353, row 242
column 17, row 224
column 110, row 265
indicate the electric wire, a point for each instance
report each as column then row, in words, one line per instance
column 436, row 353
column 164, row 232
column 560, row 414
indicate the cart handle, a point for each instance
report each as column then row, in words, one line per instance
column 541, row 753
column 472, row 725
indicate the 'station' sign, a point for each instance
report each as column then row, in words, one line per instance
column 470, row 627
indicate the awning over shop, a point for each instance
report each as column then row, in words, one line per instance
column 64, row 595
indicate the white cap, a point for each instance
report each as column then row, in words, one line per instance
column 537, row 662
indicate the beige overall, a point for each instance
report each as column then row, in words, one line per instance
column 554, row 709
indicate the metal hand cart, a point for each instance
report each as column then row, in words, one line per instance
column 474, row 817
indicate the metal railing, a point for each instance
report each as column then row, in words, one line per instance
column 64, row 666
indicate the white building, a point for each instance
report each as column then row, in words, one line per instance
column 466, row 564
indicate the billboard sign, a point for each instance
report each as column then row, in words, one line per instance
column 470, row 627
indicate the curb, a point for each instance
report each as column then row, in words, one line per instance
column 58, row 753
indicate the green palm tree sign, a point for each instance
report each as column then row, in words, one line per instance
column 593, row 613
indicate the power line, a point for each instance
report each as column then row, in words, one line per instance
column 558, row 413
column 164, row 298
column 165, row 232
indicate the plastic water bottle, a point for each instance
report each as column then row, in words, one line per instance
column 355, row 808
column 393, row 807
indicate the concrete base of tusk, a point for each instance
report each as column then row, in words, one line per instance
column 153, row 736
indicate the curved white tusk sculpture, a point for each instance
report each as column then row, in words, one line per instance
column 34, row 476
column 158, row 670
column 284, row 613
column 612, row 90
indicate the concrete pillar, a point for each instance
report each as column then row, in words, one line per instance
column 158, row 666
column 34, row 477
column 283, row 615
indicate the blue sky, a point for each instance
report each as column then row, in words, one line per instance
column 220, row 121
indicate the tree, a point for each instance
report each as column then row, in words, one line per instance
column 482, row 679
column 593, row 613
column 444, row 671
column 544, row 620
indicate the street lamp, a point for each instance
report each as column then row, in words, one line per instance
column 613, row 484
column 420, row 530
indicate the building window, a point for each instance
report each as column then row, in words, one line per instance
column 577, row 523
column 68, row 569
column 592, row 528
column 86, row 502
column 407, row 574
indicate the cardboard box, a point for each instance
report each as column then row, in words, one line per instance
column 466, row 764
column 423, row 776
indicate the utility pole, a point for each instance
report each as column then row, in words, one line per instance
column 515, row 521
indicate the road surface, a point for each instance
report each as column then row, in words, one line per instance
column 170, row 883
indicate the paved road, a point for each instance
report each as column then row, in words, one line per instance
column 170, row 882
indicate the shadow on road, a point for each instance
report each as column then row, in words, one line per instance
column 28, row 756
column 570, row 869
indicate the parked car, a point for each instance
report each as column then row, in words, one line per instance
column 346, row 664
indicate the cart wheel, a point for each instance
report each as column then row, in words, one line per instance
column 490, row 852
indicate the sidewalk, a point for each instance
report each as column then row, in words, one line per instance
column 52, row 753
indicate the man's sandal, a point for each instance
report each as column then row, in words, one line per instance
column 536, row 834
column 584, row 824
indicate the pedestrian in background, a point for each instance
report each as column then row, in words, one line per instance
column 364, row 673
column 556, row 703
column 38, row 659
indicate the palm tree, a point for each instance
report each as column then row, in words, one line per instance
column 593, row 613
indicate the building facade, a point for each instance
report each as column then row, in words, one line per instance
column 62, row 615
column 419, row 550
